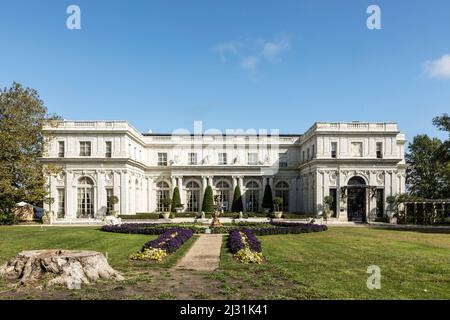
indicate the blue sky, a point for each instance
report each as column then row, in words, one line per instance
column 232, row 64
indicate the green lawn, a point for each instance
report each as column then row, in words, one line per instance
column 333, row 264
column 326, row 265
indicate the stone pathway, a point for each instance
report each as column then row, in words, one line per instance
column 204, row 255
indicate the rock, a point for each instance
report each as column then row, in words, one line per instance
column 63, row 267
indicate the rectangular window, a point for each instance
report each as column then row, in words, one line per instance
column 61, row 149
column 334, row 149
column 108, row 149
column 379, row 150
column 109, row 203
column 85, row 148
column 307, row 154
column 61, row 203
column 313, row 153
column 283, row 160
column 162, row 159
column 192, row 158
column 222, row 158
column 303, row 155
column 252, row 158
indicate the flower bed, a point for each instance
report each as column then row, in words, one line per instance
column 149, row 228
column 169, row 242
column 245, row 246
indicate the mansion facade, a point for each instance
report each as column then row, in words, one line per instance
column 359, row 164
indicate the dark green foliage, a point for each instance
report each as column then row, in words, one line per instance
column 208, row 201
column 237, row 205
column 267, row 202
column 427, row 172
column 22, row 116
column 176, row 200
column 7, row 219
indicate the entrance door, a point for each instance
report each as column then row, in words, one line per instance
column 356, row 200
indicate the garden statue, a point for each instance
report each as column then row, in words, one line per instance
column 203, row 215
column 218, row 206
column 241, row 216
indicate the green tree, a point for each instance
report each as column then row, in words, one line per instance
column 237, row 205
column 22, row 116
column 176, row 200
column 424, row 171
column 443, row 124
column 208, row 201
column 267, row 202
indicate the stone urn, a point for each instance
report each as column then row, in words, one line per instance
column 278, row 214
column 166, row 215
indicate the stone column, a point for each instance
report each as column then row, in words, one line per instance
column 174, row 183
column 124, row 192
column 116, row 189
column 180, row 187
column 101, row 194
column 202, row 192
column 70, row 196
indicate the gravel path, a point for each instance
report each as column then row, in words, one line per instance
column 204, row 255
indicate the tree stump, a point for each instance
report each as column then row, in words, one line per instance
column 61, row 267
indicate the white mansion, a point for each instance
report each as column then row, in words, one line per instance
column 358, row 164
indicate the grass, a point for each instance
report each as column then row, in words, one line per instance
column 333, row 264
column 325, row 265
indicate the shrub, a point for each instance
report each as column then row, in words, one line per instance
column 176, row 200
column 208, row 201
column 237, row 205
column 140, row 216
column 7, row 218
column 267, row 202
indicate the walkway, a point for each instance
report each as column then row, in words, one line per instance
column 204, row 255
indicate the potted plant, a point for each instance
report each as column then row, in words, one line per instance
column 166, row 203
column 391, row 200
column 278, row 203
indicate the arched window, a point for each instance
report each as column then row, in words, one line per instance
column 192, row 196
column 85, row 198
column 356, row 181
column 282, row 191
column 252, row 196
column 162, row 192
column 223, row 189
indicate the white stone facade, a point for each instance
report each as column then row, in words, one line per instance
column 104, row 158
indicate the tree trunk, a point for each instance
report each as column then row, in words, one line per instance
column 61, row 267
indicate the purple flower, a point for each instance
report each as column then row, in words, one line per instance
column 171, row 240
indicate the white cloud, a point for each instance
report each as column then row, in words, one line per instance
column 225, row 48
column 249, row 63
column 271, row 50
column 252, row 53
column 439, row 68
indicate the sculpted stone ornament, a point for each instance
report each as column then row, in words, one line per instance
column 218, row 207
column 59, row 267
